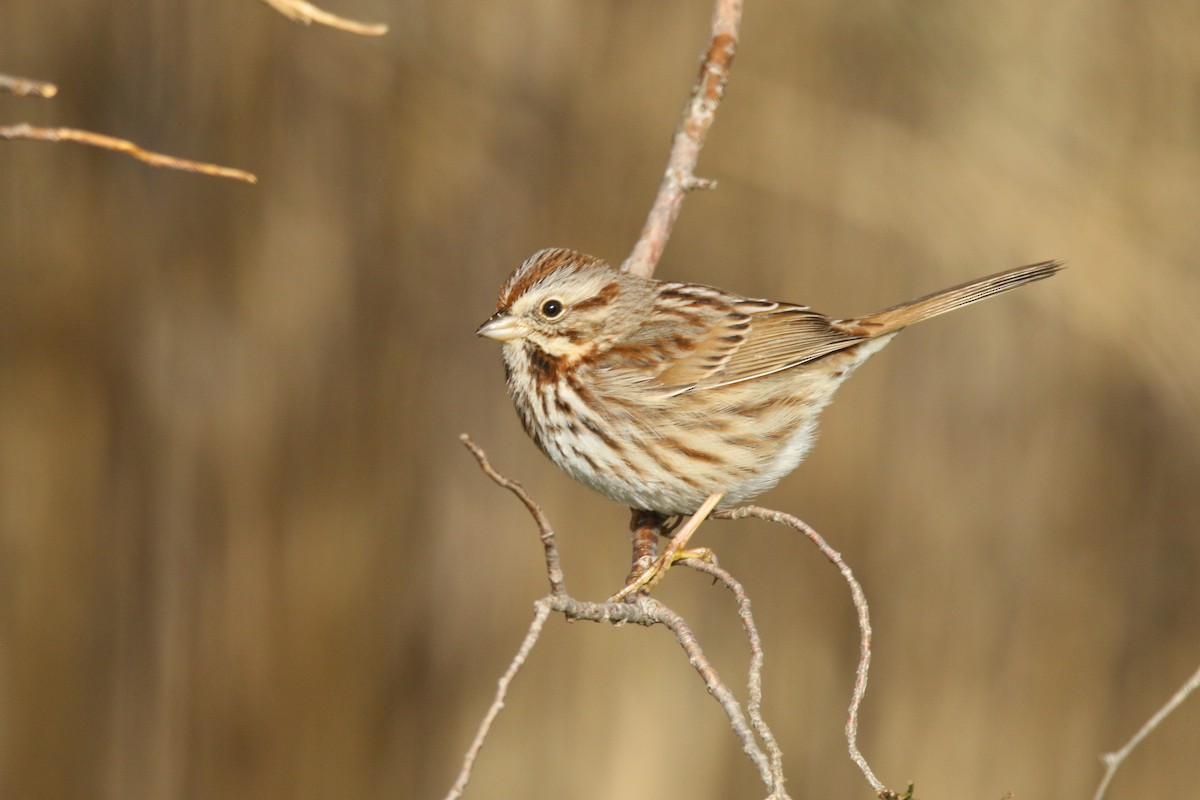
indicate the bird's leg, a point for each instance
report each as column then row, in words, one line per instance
column 674, row 551
column 646, row 527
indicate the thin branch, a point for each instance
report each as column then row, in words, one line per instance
column 554, row 570
column 541, row 612
column 24, row 87
column 754, row 683
column 639, row 610
column 306, row 14
column 647, row 611
column 25, row 131
column 864, row 626
column 737, row 721
column 1113, row 761
column 680, row 177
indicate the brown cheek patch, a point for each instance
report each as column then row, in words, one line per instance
column 602, row 298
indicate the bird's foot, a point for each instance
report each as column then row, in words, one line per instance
column 676, row 550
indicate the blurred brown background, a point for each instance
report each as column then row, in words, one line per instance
column 243, row 555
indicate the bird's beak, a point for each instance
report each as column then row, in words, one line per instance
column 503, row 328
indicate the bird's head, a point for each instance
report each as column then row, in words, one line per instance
column 562, row 302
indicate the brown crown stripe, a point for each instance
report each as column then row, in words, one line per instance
column 533, row 271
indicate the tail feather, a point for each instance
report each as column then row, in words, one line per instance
column 893, row 319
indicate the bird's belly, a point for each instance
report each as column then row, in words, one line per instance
column 670, row 453
column 672, row 464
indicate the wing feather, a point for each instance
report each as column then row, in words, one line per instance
column 784, row 337
column 699, row 337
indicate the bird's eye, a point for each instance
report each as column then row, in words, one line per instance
column 551, row 309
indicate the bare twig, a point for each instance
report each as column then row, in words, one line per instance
column 687, row 640
column 1113, row 761
column 554, row 571
column 639, row 610
column 864, row 626
column 306, row 14
column 754, row 684
column 24, row 87
column 25, row 131
column 679, row 177
column 541, row 612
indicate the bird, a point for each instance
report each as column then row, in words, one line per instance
column 671, row 397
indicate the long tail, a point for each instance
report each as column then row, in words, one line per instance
column 897, row 317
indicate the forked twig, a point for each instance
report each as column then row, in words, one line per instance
column 737, row 721
column 25, row 131
column 1113, row 761
column 864, row 627
column 639, row 610
column 306, row 14
column 679, row 178
column 754, row 687
column 26, row 87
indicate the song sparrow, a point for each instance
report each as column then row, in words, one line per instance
column 660, row 395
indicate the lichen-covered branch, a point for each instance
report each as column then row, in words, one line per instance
column 25, row 131
column 679, row 178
